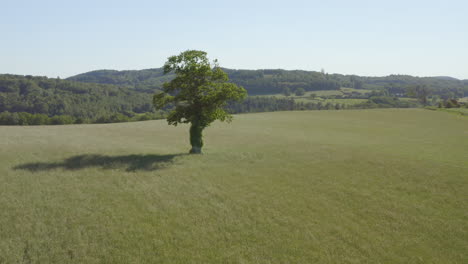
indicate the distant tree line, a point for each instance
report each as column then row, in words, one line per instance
column 270, row 104
column 83, row 101
column 279, row 81
column 251, row 104
column 274, row 81
column 121, row 96
column 451, row 103
column 25, row 119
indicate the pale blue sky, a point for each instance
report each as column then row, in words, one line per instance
column 373, row 38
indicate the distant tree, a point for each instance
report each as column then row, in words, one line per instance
column 451, row 103
column 62, row 120
column 319, row 106
column 197, row 94
column 357, row 84
column 300, row 92
column 435, row 100
column 421, row 92
column 287, row 91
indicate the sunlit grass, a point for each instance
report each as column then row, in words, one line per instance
column 364, row 186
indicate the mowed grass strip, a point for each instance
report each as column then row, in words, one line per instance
column 363, row 186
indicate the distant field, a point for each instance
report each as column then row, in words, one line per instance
column 319, row 93
column 349, row 90
column 306, row 98
column 408, row 99
column 332, row 101
column 353, row 186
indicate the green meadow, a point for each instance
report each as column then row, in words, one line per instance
column 347, row 102
column 354, row 186
column 317, row 96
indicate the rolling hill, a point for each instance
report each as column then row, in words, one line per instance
column 106, row 96
column 273, row 81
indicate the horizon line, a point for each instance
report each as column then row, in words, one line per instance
column 245, row 69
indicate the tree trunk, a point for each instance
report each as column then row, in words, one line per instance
column 196, row 138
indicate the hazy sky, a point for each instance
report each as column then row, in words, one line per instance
column 374, row 38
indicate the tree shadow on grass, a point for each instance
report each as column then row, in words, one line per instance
column 128, row 162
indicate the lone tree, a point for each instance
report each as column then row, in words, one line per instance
column 197, row 94
column 299, row 92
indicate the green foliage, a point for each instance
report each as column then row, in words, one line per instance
column 113, row 118
column 86, row 102
column 96, row 96
column 197, row 94
column 24, row 119
column 299, row 91
column 254, row 104
column 269, row 81
column 385, row 102
column 146, row 81
column 196, row 138
column 451, row 103
column 62, row 120
column 421, row 92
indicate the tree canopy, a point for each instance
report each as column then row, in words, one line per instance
column 54, row 97
column 197, row 94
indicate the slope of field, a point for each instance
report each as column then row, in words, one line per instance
column 364, row 186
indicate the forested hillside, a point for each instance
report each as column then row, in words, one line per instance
column 116, row 96
column 142, row 80
column 55, row 97
column 276, row 81
column 30, row 100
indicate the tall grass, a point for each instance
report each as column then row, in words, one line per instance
column 365, row 186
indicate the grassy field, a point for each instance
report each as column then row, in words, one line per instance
column 349, row 90
column 306, row 98
column 350, row 101
column 460, row 111
column 341, row 91
column 306, row 95
column 356, row 186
